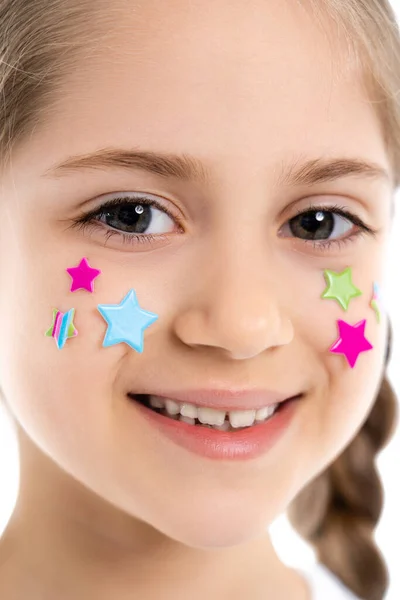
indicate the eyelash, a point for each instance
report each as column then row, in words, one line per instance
column 326, row 245
column 88, row 220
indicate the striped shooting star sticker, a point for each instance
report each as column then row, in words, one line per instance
column 62, row 327
column 377, row 302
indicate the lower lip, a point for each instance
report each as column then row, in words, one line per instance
column 247, row 443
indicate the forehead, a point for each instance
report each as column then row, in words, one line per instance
column 223, row 79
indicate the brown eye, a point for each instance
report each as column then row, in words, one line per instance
column 319, row 225
column 129, row 217
column 136, row 217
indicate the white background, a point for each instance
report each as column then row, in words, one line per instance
column 291, row 548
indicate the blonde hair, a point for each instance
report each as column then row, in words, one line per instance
column 40, row 44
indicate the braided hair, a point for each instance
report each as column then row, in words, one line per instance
column 338, row 511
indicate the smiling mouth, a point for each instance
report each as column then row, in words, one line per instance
column 144, row 400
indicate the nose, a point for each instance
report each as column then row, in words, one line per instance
column 236, row 308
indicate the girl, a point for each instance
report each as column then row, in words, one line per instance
column 196, row 202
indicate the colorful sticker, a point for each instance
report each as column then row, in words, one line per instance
column 340, row 287
column 376, row 302
column 83, row 276
column 62, row 327
column 351, row 341
column 126, row 322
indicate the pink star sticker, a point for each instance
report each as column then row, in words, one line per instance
column 83, row 276
column 352, row 341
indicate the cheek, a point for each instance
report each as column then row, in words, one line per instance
column 69, row 401
column 54, row 393
column 343, row 396
column 352, row 392
column 60, row 397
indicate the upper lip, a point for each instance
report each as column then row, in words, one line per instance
column 228, row 399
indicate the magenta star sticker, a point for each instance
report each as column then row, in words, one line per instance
column 352, row 341
column 83, row 276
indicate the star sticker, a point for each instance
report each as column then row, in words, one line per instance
column 376, row 302
column 62, row 327
column 126, row 322
column 83, row 276
column 340, row 287
column 352, row 341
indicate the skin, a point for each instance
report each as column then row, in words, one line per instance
column 106, row 502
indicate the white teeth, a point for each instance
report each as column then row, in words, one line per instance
column 219, row 419
column 188, row 410
column 211, row 416
column 187, row 420
column 272, row 408
column 242, row 418
column 156, row 402
column 265, row 412
column 173, row 408
column 225, row 427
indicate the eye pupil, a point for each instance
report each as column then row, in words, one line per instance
column 313, row 225
column 129, row 217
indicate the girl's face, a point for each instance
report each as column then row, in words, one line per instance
column 235, row 280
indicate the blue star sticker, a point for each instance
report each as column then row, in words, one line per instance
column 126, row 322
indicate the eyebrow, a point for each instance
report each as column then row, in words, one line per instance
column 187, row 167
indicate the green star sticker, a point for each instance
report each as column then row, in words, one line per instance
column 340, row 287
